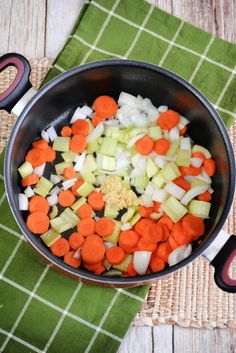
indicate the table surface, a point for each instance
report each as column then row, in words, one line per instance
column 39, row 28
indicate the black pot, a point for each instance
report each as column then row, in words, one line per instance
column 57, row 101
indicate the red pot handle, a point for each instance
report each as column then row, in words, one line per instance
column 222, row 262
column 20, row 84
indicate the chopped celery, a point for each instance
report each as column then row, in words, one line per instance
column 170, row 171
column 199, row 208
column 112, row 273
column 120, row 135
column 43, row 187
column 105, row 162
column 113, row 238
column 54, row 212
column 124, row 264
column 76, row 205
column 69, row 156
column 155, row 132
column 89, row 163
column 91, row 128
column 197, row 148
column 133, row 150
column 121, row 172
column 92, row 146
column 108, row 146
column 135, row 219
column 87, row 176
column 174, row 209
column 25, row 169
column 61, row 144
column 69, row 217
column 106, row 264
column 108, row 131
column 197, row 182
column 183, row 158
column 99, row 140
column 155, row 216
column 110, row 212
column 61, row 166
column 158, row 180
column 151, row 168
column 141, row 182
column 173, row 148
column 85, row 189
column 59, row 224
column 128, row 214
column 50, row 237
column 136, row 131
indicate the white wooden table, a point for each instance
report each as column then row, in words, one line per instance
column 38, row 28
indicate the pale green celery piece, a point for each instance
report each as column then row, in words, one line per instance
column 113, row 238
column 158, row 180
column 50, row 237
column 43, row 187
column 110, row 212
column 141, row 182
column 119, row 135
column 99, row 140
column 174, row 209
column 135, row 219
column 25, row 169
column 76, row 205
column 197, row 148
column 124, row 264
column 173, row 148
column 69, row 217
column 106, row 162
column 54, row 212
column 112, row 273
column 85, row 189
column 106, row 264
column 108, row 131
column 199, row 208
column 136, row 131
column 197, row 182
column 151, row 168
column 87, row 176
column 155, row 216
column 126, row 184
column 61, row 166
column 92, row 146
column 128, row 214
column 91, row 128
column 133, row 150
column 170, row 171
column 69, row 156
column 183, row 158
column 61, row 144
column 155, row 132
column 59, row 224
column 89, row 163
column 108, row 146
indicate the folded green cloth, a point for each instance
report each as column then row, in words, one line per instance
column 42, row 310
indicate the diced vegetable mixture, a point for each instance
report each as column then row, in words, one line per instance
column 127, row 190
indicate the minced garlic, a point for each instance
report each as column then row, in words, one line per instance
column 116, row 193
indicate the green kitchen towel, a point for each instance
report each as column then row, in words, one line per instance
column 42, row 310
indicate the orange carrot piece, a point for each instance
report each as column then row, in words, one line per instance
column 104, row 227
column 50, row 154
column 66, row 198
column 60, row 247
column 78, row 143
column 30, row 180
column 96, row 201
column 96, row 120
column 143, row 226
column 156, row 206
column 180, row 235
column 128, row 240
column 36, row 157
column 161, row 146
column 193, row 225
column 69, row 173
column 144, row 145
column 182, row 183
column 145, row 245
column 166, row 232
column 99, row 270
column 90, row 267
column 182, row 131
column 167, row 221
column 85, row 211
column 76, row 240
column 192, row 171
column 145, row 211
column 93, row 251
column 173, row 243
column 40, row 144
column 37, row 222
column 155, row 233
column 38, row 203
column 105, row 106
column 156, row 263
column 115, row 255
column 205, row 196
column 168, row 120
column 76, row 186
column 86, row 226
column 209, row 167
column 130, row 270
column 199, row 155
column 70, row 260
column 80, row 127
column 66, row 131
column 163, row 251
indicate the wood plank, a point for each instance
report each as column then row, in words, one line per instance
column 5, row 15
column 27, row 27
column 61, row 16
column 137, row 340
column 165, row 5
column 198, row 341
column 162, row 339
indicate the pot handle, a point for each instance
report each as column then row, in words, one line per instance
column 20, row 84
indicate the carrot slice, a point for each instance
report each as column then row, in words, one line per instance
column 105, row 106
column 66, row 131
column 163, row 251
column 70, row 260
column 182, row 183
column 183, row 131
column 80, row 127
column 66, row 198
column 78, row 143
column 36, row 157
column 145, row 245
column 30, row 180
column 76, row 186
column 86, row 226
column 193, row 225
column 155, row 233
column 173, row 243
column 128, row 240
column 143, row 226
column 168, row 120
column 50, row 154
column 96, row 201
column 156, row 263
column 60, row 247
column 209, row 167
column 38, row 203
column 144, row 145
column 205, row 196
column 91, row 268
column 99, row 270
column 40, row 144
column 69, row 173
column 156, row 206
column 199, row 155
column 166, row 221
column 161, row 146
column 166, row 232
column 192, row 171
column 130, row 270
column 93, row 251
column 180, row 235
column 145, row 211
column 37, row 222
column 115, row 255
column 76, row 240
column 85, row 211
column 104, row 227
column 96, row 120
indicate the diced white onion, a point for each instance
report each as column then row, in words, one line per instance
column 126, row 226
column 166, row 134
column 80, row 161
column 67, row 184
column 162, row 108
column 77, row 115
column 174, row 190
column 23, row 202
column 196, row 162
column 179, row 254
column 141, row 261
column 40, row 169
column 55, row 179
column 159, row 195
column 150, row 189
column 185, row 144
column 52, row 133
column 126, row 98
column 55, row 190
column 96, row 133
column 140, row 190
column 109, row 245
column 122, row 163
column 160, row 162
column 184, row 120
column 86, row 110
column 180, row 125
column 52, row 200
column 134, row 140
column 77, row 254
column 100, row 179
column 210, row 190
column 147, row 200
column 204, row 177
column 44, row 135
column 136, row 172
column 29, row 192
column 174, row 134
column 112, row 122
column 190, row 178
column 196, row 190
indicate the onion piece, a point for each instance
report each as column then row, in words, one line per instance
column 68, row 183
column 204, row 177
column 78, row 114
column 162, row 108
column 134, row 140
column 77, row 254
column 146, row 200
column 44, row 135
column 80, row 161
column 185, row 144
column 184, row 120
column 179, row 254
column 96, row 133
column 166, row 134
column 174, row 190
column 150, row 189
column 23, row 202
column 29, row 192
column 55, row 179
column 52, row 200
column 210, row 190
column 126, row 226
column 109, row 245
column 86, row 110
column 55, row 190
column 160, row 161
column 127, row 99
column 174, row 134
column 51, row 133
column 196, row 190
column 141, row 261
column 196, row 162
column 159, row 195
column 40, row 169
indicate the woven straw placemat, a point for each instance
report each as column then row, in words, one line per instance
column 188, row 297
